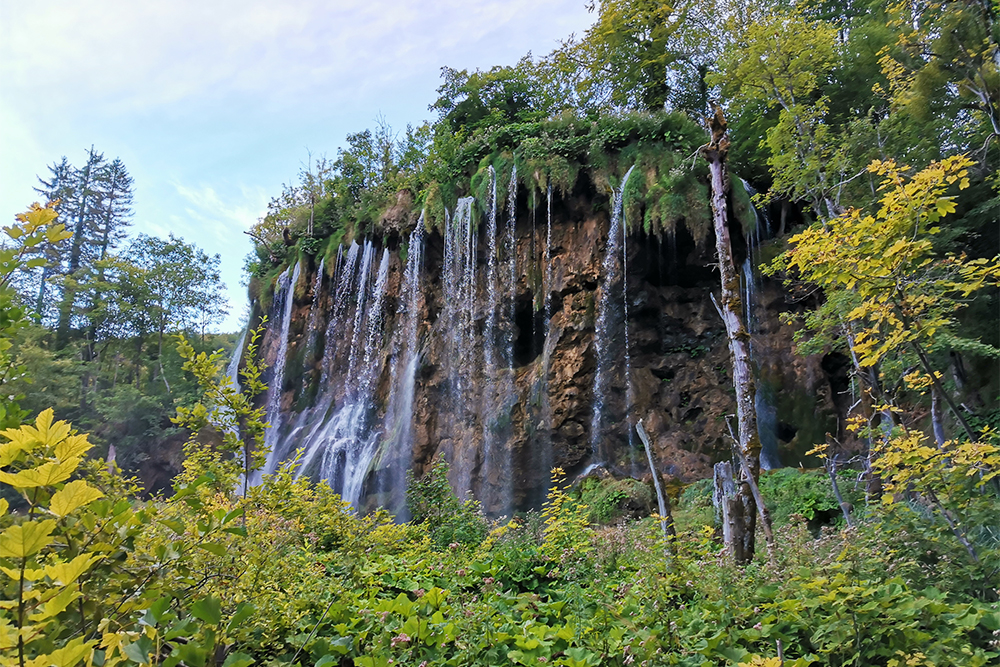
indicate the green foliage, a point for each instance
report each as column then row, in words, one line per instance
column 32, row 229
column 611, row 500
column 791, row 493
column 431, row 501
column 566, row 521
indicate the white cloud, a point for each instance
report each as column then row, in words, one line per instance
column 196, row 95
column 136, row 55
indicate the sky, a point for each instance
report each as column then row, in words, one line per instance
column 213, row 104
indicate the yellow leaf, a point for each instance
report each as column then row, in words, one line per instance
column 4, row 506
column 74, row 495
column 26, row 539
column 55, row 605
column 19, row 442
column 43, row 422
column 46, row 474
column 67, row 573
column 68, row 656
column 30, row 574
column 73, row 446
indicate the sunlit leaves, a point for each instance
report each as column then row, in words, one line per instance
column 71, row 497
column 26, row 539
column 902, row 291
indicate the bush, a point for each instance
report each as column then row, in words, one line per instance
column 431, row 501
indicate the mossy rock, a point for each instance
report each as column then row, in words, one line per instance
column 611, row 500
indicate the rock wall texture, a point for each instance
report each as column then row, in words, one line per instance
column 503, row 434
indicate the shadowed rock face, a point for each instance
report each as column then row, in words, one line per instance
column 503, row 431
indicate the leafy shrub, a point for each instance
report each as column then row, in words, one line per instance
column 614, row 499
column 431, row 501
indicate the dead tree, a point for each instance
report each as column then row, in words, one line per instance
column 745, row 521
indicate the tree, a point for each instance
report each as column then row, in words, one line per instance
column 160, row 286
column 96, row 201
column 779, row 59
column 59, row 192
column 744, row 517
column 947, row 63
column 883, row 281
column 33, row 229
column 642, row 54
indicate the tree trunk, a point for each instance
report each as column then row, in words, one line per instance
column 749, row 442
column 729, row 512
column 666, row 516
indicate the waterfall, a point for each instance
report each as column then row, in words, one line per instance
column 312, row 328
column 611, row 274
column 339, row 306
column 510, row 243
column 492, row 298
column 233, row 367
column 764, row 398
column 496, row 417
column 284, row 299
column 342, row 448
column 629, row 389
column 548, row 261
column 397, row 438
column 459, row 321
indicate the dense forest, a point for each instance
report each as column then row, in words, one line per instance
column 137, row 527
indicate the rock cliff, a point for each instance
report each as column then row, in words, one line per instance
column 508, row 341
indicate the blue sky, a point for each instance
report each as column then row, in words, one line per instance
column 213, row 104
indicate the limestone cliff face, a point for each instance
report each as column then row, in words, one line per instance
column 505, row 387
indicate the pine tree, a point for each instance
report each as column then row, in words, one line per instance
column 95, row 204
column 60, row 191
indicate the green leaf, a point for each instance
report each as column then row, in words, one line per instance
column 243, row 611
column 174, row 525
column 208, row 610
column 238, row 660
column 26, row 539
column 139, row 649
column 214, row 548
column 156, row 610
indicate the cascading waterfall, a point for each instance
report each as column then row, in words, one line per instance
column 343, row 448
column 397, row 438
column 496, row 416
column 629, row 389
column 548, row 261
column 764, row 399
column 340, row 302
column 233, row 368
column 459, row 318
column 284, row 299
column 611, row 276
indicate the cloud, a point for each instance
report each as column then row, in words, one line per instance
column 136, row 55
column 221, row 217
column 212, row 103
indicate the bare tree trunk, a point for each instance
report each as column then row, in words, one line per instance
column 666, row 516
column 749, row 442
column 765, row 516
column 729, row 511
column 845, row 508
column 937, row 422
